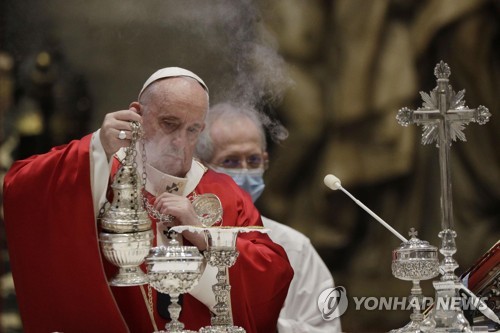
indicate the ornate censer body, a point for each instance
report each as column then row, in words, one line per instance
column 174, row 270
column 415, row 260
column 126, row 235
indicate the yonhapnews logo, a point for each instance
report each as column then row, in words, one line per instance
column 332, row 303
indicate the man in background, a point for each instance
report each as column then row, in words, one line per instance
column 234, row 143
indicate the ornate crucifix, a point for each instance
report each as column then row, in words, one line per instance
column 443, row 116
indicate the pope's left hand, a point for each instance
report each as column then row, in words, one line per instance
column 183, row 212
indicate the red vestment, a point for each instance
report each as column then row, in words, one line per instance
column 59, row 273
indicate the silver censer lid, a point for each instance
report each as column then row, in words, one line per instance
column 126, row 213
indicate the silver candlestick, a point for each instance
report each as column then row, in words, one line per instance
column 444, row 116
column 222, row 254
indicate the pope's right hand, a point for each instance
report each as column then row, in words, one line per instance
column 113, row 123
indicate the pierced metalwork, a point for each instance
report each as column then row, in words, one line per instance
column 126, row 235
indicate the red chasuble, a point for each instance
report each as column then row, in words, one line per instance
column 60, row 274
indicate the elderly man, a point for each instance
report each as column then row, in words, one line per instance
column 52, row 201
column 234, row 143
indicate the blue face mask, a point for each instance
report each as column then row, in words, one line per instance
column 249, row 180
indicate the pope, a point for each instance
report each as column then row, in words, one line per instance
column 52, row 201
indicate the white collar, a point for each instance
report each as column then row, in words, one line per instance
column 158, row 182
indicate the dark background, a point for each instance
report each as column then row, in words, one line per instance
column 334, row 73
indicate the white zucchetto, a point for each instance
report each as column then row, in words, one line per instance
column 171, row 72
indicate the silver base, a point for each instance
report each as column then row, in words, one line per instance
column 181, row 331
column 222, row 329
column 445, row 319
column 411, row 327
column 129, row 276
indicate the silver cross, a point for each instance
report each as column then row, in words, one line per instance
column 443, row 115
